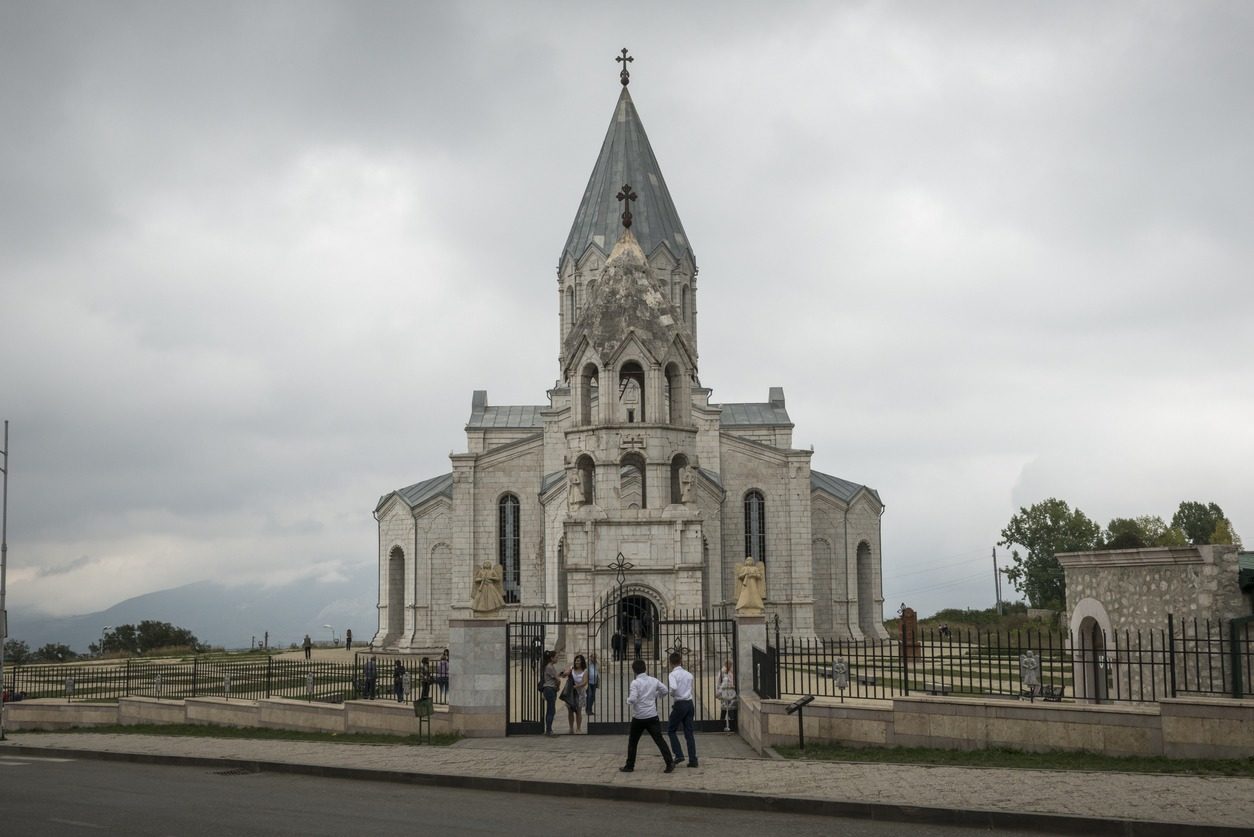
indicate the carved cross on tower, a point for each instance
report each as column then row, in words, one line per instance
column 626, row 196
column 623, row 59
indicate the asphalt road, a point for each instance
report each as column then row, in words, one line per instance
column 46, row 796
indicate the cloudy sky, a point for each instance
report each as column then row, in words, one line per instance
column 254, row 257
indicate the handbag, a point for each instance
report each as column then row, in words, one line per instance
column 540, row 687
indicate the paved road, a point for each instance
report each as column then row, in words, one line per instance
column 50, row 796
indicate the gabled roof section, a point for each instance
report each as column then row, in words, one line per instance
column 510, row 416
column 843, row 490
column 420, row 492
column 626, row 158
column 750, row 415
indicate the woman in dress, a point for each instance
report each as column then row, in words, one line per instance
column 578, row 674
column 725, row 689
column 548, row 687
column 594, row 680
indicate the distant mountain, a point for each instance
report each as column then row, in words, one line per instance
column 222, row 615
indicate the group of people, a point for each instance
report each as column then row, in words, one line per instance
column 402, row 680
column 576, row 686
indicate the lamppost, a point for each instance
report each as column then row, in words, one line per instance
column 4, row 567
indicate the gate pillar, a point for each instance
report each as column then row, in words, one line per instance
column 750, row 631
column 477, row 679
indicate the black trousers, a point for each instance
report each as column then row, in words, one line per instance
column 654, row 727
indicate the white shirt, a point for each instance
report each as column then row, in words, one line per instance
column 643, row 694
column 681, row 683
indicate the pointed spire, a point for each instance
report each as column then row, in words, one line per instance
column 626, row 157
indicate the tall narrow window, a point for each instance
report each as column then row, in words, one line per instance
column 631, row 485
column 588, row 395
column 681, row 480
column 685, row 306
column 508, row 550
column 587, row 478
column 677, row 395
column 570, row 308
column 755, row 525
column 631, row 392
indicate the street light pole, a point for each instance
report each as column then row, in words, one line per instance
column 4, row 567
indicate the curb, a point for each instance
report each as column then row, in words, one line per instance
column 879, row 811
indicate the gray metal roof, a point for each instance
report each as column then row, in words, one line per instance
column 838, row 488
column 741, row 415
column 550, row 479
column 418, row 493
column 509, row 416
column 626, row 158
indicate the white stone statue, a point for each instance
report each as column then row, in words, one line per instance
column 489, row 593
column 750, row 586
column 574, row 489
column 1030, row 671
column 685, row 485
column 840, row 673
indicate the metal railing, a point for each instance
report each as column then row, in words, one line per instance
column 1193, row 657
column 314, row 680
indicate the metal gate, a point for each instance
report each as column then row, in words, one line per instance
column 618, row 634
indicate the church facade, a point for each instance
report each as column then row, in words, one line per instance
column 629, row 462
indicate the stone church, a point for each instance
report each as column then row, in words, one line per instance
column 629, row 461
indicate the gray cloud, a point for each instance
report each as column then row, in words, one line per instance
column 254, row 259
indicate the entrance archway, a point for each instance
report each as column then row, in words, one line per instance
column 1091, row 660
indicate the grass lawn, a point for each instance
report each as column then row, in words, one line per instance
column 199, row 731
column 1027, row 761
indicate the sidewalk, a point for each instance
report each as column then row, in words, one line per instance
column 730, row 776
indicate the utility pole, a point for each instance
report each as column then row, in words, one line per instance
column 4, row 566
column 997, row 580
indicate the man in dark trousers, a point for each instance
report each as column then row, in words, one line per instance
column 642, row 701
column 681, row 709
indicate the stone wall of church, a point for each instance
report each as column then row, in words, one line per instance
column 421, row 589
column 853, row 587
column 517, row 472
column 396, row 531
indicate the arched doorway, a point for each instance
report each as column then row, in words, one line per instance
column 396, row 595
column 1090, row 657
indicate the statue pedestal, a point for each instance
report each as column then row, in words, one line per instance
column 476, row 695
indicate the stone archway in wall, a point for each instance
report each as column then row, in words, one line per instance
column 867, row 617
column 821, row 572
column 1090, row 626
column 396, row 595
column 619, row 609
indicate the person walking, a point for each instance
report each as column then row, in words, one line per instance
column 577, row 686
column 371, row 673
column 348, row 639
column 594, row 680
column 642, row 701
column 726, row 692
column 398, row 681
column 548, row 688
column 307, row 645
column 441, row 675
column 424, row 678
column 681, row 684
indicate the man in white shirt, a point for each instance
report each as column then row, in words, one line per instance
column 642, row 701
column 681, row 709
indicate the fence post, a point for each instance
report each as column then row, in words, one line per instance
column 269, row 669
column 1171, row 651
column 1234, row 654
column 905, row 666
column 126, row 683
column 195, row 673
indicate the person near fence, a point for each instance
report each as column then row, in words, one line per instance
column 307, row 645
column 548, row 688
column 441, row 675
column 398, row 681
column 725, row 689
column 371, row 673
column 682, row 709
column 594, row 680
column 424, row 678
column 637, row 639
column 348, row 639
column 616, row 645
column 575, row 695
column 642, row 701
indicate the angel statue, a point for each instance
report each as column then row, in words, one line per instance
column 749, row 584
column 489, row 593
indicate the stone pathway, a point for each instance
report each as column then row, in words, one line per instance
column 728, row 766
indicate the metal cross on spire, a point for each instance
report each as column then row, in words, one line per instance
column 623, row 59
column 626, row 196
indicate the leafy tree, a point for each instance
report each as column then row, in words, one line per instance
column 16, row 651
column 53, row 652
column 1197, row 520
column 149, row 635
column 1224, row 533
column 1140, row 532
column 1043, row 530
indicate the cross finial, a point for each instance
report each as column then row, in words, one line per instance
column 623, row 59
column 626, row 196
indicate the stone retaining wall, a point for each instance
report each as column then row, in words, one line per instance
column 1176, row 728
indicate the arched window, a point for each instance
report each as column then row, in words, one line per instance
column 508, row 528
column 396, row 593
column 588, row 394
column 679, row 465
column 675, row 394
column 631, row 391
column 866, row 587
column 755, row 525
column 685, row 305
column 570, row 307
column 631, row 486
column 587, row 478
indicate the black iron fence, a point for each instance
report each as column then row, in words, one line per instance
column 324, row 681
column 1191, row 657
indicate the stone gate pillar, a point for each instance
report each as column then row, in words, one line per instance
column 476, row 695
column 750, row 631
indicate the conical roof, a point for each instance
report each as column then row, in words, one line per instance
column 627, row 303
column 626, row 158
